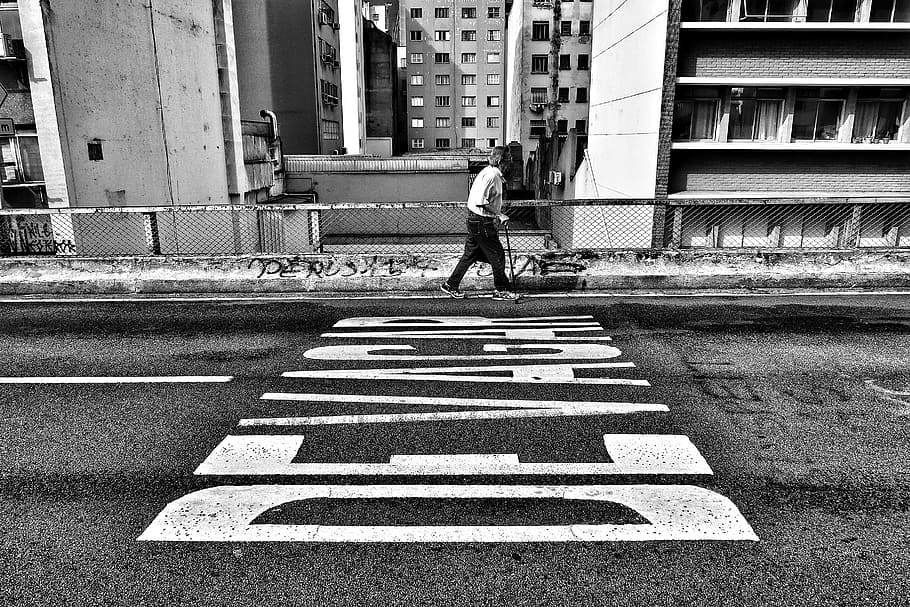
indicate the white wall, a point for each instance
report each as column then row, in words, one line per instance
column 629, row 43
column 353, row 95
column 514, row 84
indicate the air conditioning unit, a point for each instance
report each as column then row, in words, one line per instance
column 336, row 26
column 329, row 99
column 328, row 58
column 336, row 64
column 323, row 19
column 555, row 177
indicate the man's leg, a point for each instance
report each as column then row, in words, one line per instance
column 470, row 255
column 491, row 248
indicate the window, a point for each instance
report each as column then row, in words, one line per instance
column 331, row 130
column 539, row 95
column 539, row 64
column 538, row 128
column 443, row 101
column 705, row 10
column 878, row 114
column 417, row 123
column 468, row 143
column 831, row 10
column 416, row 58
column 493, row 12
column 441, row 58
column 581, row 127
column 468, row 35
column 494, row 35
column 443, row 79
column 469, row 101
column 443, row 35
column 584, row 62
column 584, row 28
column 327, row 13
column 491, row 142
column 492, row 122
column 767, row 10
column 416, row 144
column 755, row 113
column 469, row 57
column 562, row 127
column 416, row 101
column 443, row 122
column 563, row 95
column 469, row 13
column 565, row 28
column 469, row 122
column 695, row 114
column 540, row 30
column 565, row 62
column 493, row 101
column 892, row 11
column 581, row 94
column 443, row 143
column 494, row 79
column 416, row 13
column 441, row 13
column 493, row 57
column 468, row 79
column 416, row 35
column 817, row 114
column 417, row 80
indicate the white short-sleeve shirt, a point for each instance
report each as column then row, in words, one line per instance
column 487, row 189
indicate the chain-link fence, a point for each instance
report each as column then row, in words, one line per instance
column 439, row 227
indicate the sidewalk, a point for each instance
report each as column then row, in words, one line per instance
column 578, row 272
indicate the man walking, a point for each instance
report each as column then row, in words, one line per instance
column 484, row 210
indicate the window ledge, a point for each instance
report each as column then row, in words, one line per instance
column 793, row 146
column 800, row 26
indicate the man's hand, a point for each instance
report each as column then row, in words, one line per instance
column 503, row 218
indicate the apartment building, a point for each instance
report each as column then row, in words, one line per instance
column 548, row 88
column 752, row 97
column 455, row 66
column 289, row 61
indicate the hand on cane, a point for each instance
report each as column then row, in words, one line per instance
column 503, row 218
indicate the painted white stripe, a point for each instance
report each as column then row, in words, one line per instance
column 225, row 514
column 460, row 321
column 558, row 351
column 431, row 401
column 522, row 334
column 405, row 297
column 520, row 374
column 643, row 454
column 172, row 379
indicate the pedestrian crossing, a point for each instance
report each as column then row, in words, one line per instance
column 673, row 512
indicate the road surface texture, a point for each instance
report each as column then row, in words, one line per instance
column 779, row 418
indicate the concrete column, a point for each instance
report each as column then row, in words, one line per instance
column 845, row 133
column 230, row 100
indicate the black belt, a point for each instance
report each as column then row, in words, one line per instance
column 479, row 217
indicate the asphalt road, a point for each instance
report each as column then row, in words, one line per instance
column 799, row 405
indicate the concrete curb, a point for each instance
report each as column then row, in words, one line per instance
column 576, row 271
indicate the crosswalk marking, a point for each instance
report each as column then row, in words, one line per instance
column 645, row 454
column 226, row 514
column 558, row 351
column 166, row 379
column 520, row 374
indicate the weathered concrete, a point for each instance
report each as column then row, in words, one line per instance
column 555, row 272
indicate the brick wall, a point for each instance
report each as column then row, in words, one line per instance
column 832, row 171
column 795, row 54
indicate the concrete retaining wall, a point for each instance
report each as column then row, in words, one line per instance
column 563, row 272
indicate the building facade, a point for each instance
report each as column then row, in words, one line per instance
column 548, row 88
column 455, row 73
column 289, row 61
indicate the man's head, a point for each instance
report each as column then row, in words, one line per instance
column 496, row 156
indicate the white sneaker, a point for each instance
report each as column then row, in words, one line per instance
column 505, row 296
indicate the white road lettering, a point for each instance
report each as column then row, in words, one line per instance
column 174, row 379
column 557, row 351
column 644, row 454
column 226, row 514
column 509, row 334
column 520, row 374
column 457, row 321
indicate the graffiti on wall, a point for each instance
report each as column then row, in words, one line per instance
column 31, row 235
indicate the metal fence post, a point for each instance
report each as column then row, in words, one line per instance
column 152, row 238
column 315, row 225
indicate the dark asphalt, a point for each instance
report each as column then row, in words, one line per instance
column 791, row 400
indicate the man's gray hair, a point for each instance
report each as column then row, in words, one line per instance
column 496, row 155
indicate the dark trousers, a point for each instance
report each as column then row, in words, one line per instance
column 482, row 245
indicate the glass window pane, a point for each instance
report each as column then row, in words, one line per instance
column 881, row 10
column 31, row 159
column 828, row 119
column 902, row 11
column 7, row 152
column 843, row 10
column 742, row 117
column 889, row 120
column 682, row 120
column 804, row 118
column 818, row 10
column 864, row 119
column 703, row 120
column 768, row 119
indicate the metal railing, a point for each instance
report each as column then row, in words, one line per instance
column 439, row 227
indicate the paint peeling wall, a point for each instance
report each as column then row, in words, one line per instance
column 142, row 81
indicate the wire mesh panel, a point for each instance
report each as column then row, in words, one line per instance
column 420, row 228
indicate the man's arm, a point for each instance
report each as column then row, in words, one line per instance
column 488, row 193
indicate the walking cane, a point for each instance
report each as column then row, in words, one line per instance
column 505, row 226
